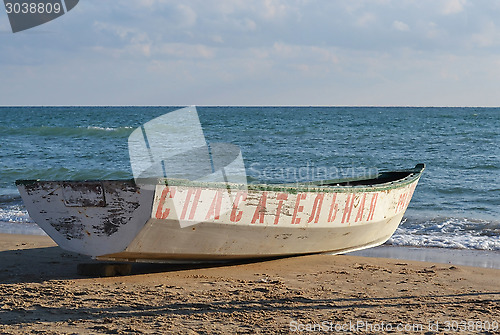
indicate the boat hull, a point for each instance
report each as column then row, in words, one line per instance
column 88, row 217
column 208, row 241
column 118, row 220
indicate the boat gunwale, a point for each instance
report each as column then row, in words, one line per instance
column 413, row 175
column 313, row 186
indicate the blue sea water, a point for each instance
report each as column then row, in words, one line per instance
column 456, row 204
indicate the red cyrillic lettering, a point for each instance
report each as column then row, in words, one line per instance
column 281, row 197
column 235, row 215
column 333, row 209
column 261, row 209
column 359, row 217
column 373, row 204
column 195, row 203
column 167, row 191
column 298, row 208
column 318, row 203
column 346, row 217
column 214, row 210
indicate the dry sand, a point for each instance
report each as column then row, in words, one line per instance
column 41, row 293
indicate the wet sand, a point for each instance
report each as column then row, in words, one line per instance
column 478, row 258
column 41, row 292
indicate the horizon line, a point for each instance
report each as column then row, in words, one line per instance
column 332, row 106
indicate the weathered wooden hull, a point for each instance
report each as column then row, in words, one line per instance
column 187, row 221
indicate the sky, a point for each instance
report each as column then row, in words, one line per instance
column 257, row 52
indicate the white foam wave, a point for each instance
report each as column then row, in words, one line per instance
column 14, row 214
column 107, row 128
column 15, row 220
column 448, row 233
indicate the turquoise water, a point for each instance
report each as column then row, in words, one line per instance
column 456, row 205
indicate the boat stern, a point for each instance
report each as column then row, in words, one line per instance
column 88, row 217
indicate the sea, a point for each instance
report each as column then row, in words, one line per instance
column 455, row 206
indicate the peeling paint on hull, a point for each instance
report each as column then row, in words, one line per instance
column 187, row 221
column 88, row 217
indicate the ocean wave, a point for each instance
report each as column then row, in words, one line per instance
column 63, row 173
column 11, row 197
column 457, row 233
column 105, row 128
column 15, row 214
column 483, row 167
column 118, row 130
column 72, row 132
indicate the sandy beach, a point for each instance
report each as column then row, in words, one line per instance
column 41, row 292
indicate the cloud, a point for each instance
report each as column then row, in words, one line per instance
column 255, row 52
column 185, row 51
column 452, row 6
column 401, row 26
column 488, row 36
column 187, row 16
column 365, row 19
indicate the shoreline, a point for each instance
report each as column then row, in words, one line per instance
column 467, row 257
column 40, row 291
